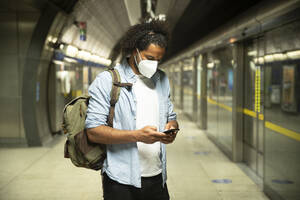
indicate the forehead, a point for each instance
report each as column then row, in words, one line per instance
column 154, row 49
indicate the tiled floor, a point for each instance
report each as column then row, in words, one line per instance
column 193, row 163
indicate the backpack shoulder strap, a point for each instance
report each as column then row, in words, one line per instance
column 115, row 93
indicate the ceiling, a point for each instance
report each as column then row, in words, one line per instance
column 108, row 20
column 173, row 10
column 35, row 5
column 106, row 23
column 202, row 17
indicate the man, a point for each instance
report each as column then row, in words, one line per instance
column 135, row 167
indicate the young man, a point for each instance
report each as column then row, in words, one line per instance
column 135, row 167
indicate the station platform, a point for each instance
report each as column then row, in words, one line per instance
column 197, row 169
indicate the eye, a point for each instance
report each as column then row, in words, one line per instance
column 150, row 58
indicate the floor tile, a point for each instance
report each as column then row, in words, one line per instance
column 193, row 161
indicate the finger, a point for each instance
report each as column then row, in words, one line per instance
column 158, row 134
column 171, row 135
column 168, row 137
column 167, row 141
column 174, row 134
column 153, row 128
column 170, row 126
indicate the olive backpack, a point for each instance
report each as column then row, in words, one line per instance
column 78, row 148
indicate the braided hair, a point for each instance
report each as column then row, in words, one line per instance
column 140, row 36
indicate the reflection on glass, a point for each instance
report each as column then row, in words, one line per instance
column 253, row 107
column 288, row 89
column 198, row 93
column 219, row 92
column 212, row 108
column 177, row 84
column 187, row 83
column 282, row 113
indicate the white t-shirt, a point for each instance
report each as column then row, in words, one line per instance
column 147, row 115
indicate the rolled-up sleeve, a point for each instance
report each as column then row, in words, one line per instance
column 99, row 103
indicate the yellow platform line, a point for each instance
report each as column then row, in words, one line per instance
column 212, row 101
column 219, row 104
column 279, row 129
column 188, row 91
column 225, row 107
column 289, row 133
column 249, row 112
column 261, row 117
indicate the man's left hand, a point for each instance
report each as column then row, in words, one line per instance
column 170, row 137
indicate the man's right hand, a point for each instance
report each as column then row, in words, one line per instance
column 149, row 135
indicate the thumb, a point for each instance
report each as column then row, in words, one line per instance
column 168, row 126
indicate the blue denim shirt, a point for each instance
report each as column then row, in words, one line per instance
column 122, row 162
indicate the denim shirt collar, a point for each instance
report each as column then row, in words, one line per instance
column 129, row 74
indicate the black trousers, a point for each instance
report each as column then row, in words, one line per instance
column 151, row 189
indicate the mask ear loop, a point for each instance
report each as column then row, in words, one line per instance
column 135, row 61
column 139, row 54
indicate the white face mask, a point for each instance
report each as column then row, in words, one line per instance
column 146, row 67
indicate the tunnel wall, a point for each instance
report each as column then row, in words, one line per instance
column 35, row 81
column 24, row 64
column 16, row 28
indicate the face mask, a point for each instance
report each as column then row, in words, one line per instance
column 146, row 67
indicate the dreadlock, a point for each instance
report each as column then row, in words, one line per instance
column 142, row 35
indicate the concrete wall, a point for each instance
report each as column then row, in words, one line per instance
column 24, row 63
column 17, row 24
column 134, row 10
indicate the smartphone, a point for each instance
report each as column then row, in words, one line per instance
column 171, row 130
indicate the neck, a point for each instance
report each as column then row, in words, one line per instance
column 132, row 64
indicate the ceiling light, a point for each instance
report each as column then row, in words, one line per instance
column 293, row 54
column 210, row 65
column 261, row 60
column 252, row 53
column 58, row 62
column 279, row 56
column 71, row 60
column 71, row 51
column 269, row 58
column 84, row 55
column 61, row 46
